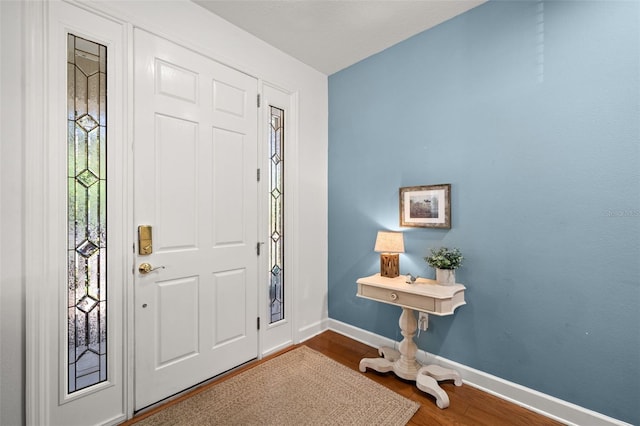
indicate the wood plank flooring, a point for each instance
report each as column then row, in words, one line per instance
column 469, row 406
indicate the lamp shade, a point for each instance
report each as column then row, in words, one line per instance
column 389, row 242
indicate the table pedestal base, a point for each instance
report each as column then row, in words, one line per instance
column 403, row 363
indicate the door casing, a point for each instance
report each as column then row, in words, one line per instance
column 39, row 244
column 279, row 335
column 46, row 223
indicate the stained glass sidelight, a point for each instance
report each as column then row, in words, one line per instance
column 276, row 209
column 87, row 218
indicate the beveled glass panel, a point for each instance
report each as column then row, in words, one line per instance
column 80, row 277
column 103, row 60
column 71, row 50
column 80, row 213
column 71, row 145
column 86, row 46
column 102, row 113
column 102, row 146
column 71, row 91
column 93, row 214
column 87, row 64
column 93, row 151
column 80, row 91
column 87, row 219
column 93, row 96
column 71, row 213
column 276, row 215
column 80, row 149
column 102, row 218
column 93, row 272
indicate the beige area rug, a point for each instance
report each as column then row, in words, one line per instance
column 299, row 387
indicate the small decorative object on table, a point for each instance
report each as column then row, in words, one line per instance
column 445, row 261
column 411, row 279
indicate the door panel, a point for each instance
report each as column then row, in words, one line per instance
column 176, row 228
column 177, row 319
column 195, row 151
column 230, row 322
column 227, row 183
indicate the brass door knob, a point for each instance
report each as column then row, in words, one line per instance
column 145, row 268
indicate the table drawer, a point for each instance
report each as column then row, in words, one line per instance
column 396, row 297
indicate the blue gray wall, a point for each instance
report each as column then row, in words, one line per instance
column 531, row 111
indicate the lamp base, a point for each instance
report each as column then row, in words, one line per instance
column 389, row 265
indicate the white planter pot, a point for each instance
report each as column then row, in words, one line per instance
column 446, row 276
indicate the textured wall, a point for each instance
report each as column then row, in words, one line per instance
column 531, row 111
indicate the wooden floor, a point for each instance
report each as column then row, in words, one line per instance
column 468, row 406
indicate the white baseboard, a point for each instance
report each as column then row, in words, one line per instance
column 277, row 348
column 306, row 333
column 546, row 405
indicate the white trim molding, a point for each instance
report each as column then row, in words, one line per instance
column 546, row 405
column 47, row 401
column 274, row 337
column 35, row 170
column 311, row 330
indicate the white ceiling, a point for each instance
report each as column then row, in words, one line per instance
column 330, row 35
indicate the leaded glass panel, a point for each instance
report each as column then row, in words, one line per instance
column 276, row 223
column 86, row 213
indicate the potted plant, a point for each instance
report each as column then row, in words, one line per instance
column 445, row 261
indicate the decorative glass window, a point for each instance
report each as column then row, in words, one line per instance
column 276, row 213
column 87, row 217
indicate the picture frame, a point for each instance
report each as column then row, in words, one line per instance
column 426, row 206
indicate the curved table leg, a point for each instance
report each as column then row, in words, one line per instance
column 404, row 364
column 379, row 364
column 440, row 373
column 429, row 385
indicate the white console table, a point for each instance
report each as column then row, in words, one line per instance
column 426, row 296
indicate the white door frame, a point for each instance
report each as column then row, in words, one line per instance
column 36, row 103
column 45, row 213
column 41, row 264
column 277, row 336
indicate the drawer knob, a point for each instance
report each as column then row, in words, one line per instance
column 394, row 296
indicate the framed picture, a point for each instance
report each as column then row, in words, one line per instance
column 426, row 206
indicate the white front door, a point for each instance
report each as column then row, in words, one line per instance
column 195, row 160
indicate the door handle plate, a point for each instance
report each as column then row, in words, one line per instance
column 145, row 240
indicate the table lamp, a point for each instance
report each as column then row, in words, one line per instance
column 389, row 244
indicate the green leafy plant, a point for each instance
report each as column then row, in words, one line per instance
column 444, row 258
